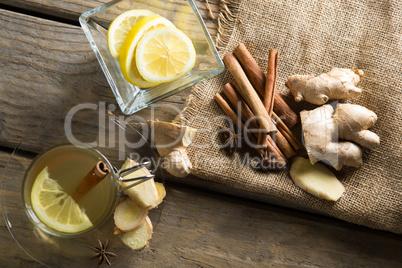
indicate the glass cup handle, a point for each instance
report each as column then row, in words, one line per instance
column 138, row 180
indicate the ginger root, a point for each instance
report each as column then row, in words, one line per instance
column 128, row 215
column 353, row 121
column 138, row 238
column 177, row 163
column 161, row 191
column 144, row 194
column 336, row 84
column 131, row 215
column 323, row 129
column 316, row 179
column 171, row 141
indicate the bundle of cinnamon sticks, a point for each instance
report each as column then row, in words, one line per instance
column 265, row 118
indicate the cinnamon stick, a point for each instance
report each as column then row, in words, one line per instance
column 248, row 93
column 247, row 115
column 228, row 111
column 236, row 100
column 258, row 80
column 281, row 126
column 95, row 176
column 232, row 115
column 287, row 133
column 270, row 86
column 284, row 145
column 249, row 118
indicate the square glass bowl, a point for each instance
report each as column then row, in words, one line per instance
column 184, row 15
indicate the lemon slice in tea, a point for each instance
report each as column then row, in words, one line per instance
column 55, row 208
column 121, row 26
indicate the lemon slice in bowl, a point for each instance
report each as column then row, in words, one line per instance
column 127, row 54
column 164, row 54
column 55, row 208
column 121, row 26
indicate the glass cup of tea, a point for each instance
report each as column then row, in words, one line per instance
column 57, row 173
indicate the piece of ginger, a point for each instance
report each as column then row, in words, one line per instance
column 316, row 179
column 171, row 141
column 353, row 122
column 161, row 191
column 138, row 238
column 131, row 215
column 336, row 84
column 128, row 215
column 323, row 131
column 168, row 136
column 144, row 194
column 177, row 163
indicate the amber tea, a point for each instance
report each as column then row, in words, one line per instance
column 54, row 177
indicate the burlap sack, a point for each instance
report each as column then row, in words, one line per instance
column 313, row 36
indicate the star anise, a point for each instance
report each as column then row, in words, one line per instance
column 232, row 140
column 102, row 253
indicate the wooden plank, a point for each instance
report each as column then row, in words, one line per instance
column 205, row 229
column 198, row 228
column 47, row 68
column 72, row 9
column 55, row 57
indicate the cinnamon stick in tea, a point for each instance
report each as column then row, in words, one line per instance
column 258, row 80
column 248, row 93
column 95, row 176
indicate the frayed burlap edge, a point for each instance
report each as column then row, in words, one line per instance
column 230, row 25
column 226, row 22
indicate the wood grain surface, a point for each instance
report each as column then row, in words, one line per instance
column 70, row 10
column 47, row 67
column 42, row 57
column 207, row 229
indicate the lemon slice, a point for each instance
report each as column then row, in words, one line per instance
column 164, row 54
column 121, row 26
column 127, row 54
column 55, row 208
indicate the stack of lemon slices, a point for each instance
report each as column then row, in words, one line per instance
column 149, row 48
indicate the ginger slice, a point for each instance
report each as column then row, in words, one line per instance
column 161, row 192
column 138, row 238
column 128, row 215
column 316, row 179
column 145, row 193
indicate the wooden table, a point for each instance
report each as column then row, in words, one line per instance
column 47, row 67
